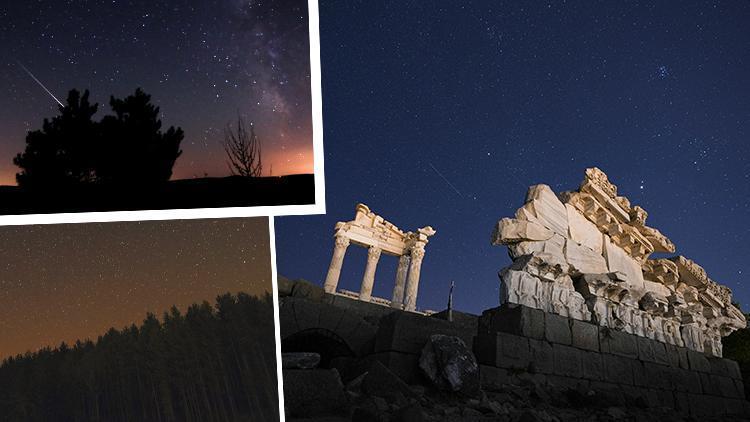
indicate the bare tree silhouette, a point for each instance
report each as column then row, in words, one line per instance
column 243, row 150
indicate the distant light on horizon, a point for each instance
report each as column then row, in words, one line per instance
column 284, row 162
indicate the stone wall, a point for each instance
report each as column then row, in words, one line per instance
column 571, row 367
column 401, row 337
column 518, row 344
column 371, row 331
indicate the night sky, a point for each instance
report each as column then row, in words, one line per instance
column 75, row 281
column 202, row 61
column 497, row 96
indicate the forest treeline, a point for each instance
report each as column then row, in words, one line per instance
column 212, row 363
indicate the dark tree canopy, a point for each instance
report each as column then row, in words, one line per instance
column 207, row 364
column 127, row 148
column 60, row 153
column 133, row 138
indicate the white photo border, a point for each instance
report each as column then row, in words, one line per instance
column 221, row 212
column 276, row 318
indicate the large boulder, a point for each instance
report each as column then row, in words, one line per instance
column 450, row 365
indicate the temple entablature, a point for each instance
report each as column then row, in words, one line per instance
column 380, row 236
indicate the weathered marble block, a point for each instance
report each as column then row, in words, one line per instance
column 520, row 287
column 585, row 255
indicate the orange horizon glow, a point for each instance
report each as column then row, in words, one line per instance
column 68, row 282
column 284, row 163
column 100, row 328
column 8, row 179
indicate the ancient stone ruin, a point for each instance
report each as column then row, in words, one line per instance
column 585, row 255
column 590, row 327
column 371, row 231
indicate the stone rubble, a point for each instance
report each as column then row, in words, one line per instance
column 523, row 397
column 585, row 255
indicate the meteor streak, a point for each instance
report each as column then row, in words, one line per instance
column 40, row 83
column 445, row 179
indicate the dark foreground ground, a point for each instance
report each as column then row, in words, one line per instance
column 349, row 360
column 233, row 191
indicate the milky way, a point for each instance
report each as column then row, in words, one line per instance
column 203, row 62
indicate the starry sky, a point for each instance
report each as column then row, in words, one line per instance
column 75, row 281
column 204, row 62
column 443, row 113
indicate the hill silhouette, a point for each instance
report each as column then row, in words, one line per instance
column 208, row 364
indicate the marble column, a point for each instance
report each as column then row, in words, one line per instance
column 412, row 282
column 334, row 270
column 373, row 255
column 398, row 290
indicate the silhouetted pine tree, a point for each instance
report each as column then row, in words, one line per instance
column 133, row 149
column 124, row 149
column 61, row 153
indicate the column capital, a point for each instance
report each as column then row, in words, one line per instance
column 403, row 260
column 373, row 253
column 417, row 252
column 341, row 241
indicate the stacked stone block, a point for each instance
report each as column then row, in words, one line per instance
column 401, row 336
column 517, row 342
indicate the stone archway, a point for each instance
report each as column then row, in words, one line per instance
column 300, row 318
column 324, row 342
